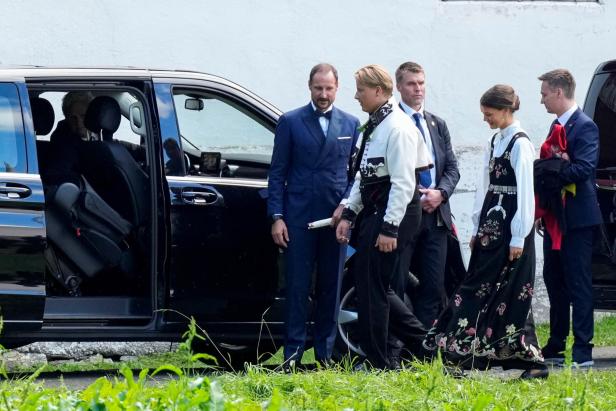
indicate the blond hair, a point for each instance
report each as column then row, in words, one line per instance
column 375, row 76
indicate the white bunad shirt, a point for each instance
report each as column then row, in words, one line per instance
column 522, row 159
column 395, row 149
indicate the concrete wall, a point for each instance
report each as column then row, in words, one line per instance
column 269, row 46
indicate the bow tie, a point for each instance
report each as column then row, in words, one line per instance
column 327, row 115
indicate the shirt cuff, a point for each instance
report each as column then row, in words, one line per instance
column 344, row 201
column 517, row 242
column 389, row 229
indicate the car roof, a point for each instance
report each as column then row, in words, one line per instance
column 14, row 73
column 606, row 67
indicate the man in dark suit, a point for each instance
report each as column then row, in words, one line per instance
column 567, row 272
column 438, row 183
column 308, row 181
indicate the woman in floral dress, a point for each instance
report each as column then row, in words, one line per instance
column 488, row 320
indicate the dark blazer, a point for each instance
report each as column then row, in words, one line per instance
column 309, row 171
column 445, row 162
column 581, row 210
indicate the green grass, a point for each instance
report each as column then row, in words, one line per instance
column 423, row 387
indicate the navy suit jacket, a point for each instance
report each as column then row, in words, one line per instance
column 445, row 162
column 581, row 210
column 309, row 171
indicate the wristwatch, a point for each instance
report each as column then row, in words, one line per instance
column 275, row 217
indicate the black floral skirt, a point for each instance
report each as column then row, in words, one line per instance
column 489, row 319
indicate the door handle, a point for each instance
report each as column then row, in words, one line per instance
column 14, row 190
column 199, row 197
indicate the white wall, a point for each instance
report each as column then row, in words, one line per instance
column 269, row 46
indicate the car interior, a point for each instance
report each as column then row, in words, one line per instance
column 604, row 259
column 97, row 193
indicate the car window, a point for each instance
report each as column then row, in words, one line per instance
column 12, row 143
column 124, row 132
column 213, row 124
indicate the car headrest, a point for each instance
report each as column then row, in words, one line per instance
column 103, row 115
column 42, row 115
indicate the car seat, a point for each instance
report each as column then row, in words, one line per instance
column 111, row 169
column 86, row 236
column 43, row 119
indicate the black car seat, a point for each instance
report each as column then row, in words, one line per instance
column 85, row 235
column 43, row 119
column 111, row 169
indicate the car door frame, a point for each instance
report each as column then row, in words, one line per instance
column 22, row 292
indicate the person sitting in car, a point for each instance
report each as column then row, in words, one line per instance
column 64, row 142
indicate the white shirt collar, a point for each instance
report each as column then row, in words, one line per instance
column 567, row 114
column 410, row 110
column 510, row 130
column 330, row 108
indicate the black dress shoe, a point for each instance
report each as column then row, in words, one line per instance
column 532, row 373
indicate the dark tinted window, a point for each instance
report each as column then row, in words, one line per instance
column 12, row 144
column 604, row 114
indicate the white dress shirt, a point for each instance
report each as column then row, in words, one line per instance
column 522, row 158
column 323, row 121
column 428, row 139
column 567, row 115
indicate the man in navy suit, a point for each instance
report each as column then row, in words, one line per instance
column 309, row 180
column 430, row 246
column 567, row 273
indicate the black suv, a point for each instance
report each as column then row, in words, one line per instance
column 600, row 105
column 157, row 215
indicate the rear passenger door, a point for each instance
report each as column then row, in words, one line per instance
column 22, row 219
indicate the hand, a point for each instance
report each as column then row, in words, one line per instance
column 471, row 243
column 280, row 233
column 539, row 228
column 337, row 214
column 431, row 199
column 386, row 244
column 514, row 253
column 342, row 231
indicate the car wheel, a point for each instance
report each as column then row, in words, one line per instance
column 347, row 336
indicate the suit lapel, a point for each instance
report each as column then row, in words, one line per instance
column 312, row 124
column 435, row 138
column 570, row 126
column 333, row 131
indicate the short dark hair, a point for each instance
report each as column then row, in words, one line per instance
column 409, row 66
column 501, row 96
column 560, row 78
column 323, row 68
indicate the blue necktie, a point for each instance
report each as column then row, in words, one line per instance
column 425, row 179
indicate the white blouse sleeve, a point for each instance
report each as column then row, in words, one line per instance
column 354, row 202
column 401, row 159
column 482, row 186
column 522, row 158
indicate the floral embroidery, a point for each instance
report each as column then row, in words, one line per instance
column 510, row 329
column 501, row 308
column 499, row 170
column 527, row 291
column 488, row 332
column 471, row 331
column 490, row 230
column 462, row 322
column 457, row 300
column 484, row 290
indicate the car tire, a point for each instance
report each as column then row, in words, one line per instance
column 346, row 346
